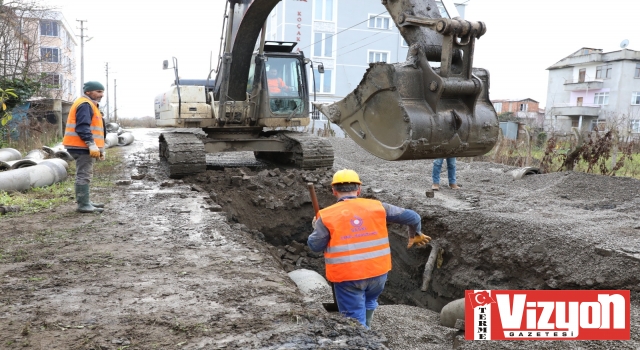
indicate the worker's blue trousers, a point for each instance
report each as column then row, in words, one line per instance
column 355, row 297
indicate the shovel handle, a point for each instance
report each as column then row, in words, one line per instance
column 314, row 199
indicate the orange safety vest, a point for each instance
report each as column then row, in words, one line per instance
column 71, row 138
column 275, row 85
column 359, row 244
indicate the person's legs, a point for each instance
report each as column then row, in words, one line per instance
column 451, row 170
column 371, row 294
column 437, row 168
column 84, row 173
column 351, row 299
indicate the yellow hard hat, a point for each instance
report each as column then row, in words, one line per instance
column 345, row 176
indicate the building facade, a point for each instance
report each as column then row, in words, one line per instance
column 526, row 110
column 344, row 35
column 56, row 47
column 591, row 89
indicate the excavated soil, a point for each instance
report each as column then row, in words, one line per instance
column 202, row 262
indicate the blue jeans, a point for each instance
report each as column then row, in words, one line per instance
column 354, row 297
column 437, row 168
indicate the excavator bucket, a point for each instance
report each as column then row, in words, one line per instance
column 413, row 111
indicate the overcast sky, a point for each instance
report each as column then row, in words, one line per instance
column 524, row 37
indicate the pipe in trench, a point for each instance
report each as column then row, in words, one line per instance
column 125, row 139
column 9, row 154
column 46, row 173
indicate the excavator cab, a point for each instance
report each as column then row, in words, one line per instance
column 284, row 77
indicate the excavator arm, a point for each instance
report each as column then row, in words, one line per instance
column 412, row 110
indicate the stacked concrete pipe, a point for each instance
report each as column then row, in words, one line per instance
column 46, row 173
column 32, row 158
column 58, row 151
column 8, row 154
column 125, row 139
column 111, row 140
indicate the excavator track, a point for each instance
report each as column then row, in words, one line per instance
column 307, row 151
column 184, row 153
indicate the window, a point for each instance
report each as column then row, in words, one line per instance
column 323, row 81
column 404, row 43
column 604, row 72
column 49, row 28
column 635, row 126
column 50, row 54
column 637, row 70
column 379, row 56
column 324, row 10
column 323, row 45
column 52, row 81
column 379, row 22
column 524, row 107
column 442, row 9
column 598, row 125
column 498, row 107
column 635, row 98
column 601, row 98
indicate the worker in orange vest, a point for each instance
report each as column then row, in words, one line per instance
column 353, row 235
column 84, row 140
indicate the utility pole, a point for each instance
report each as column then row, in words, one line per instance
column 115, row 105
column 107, row 109
column 82, row 36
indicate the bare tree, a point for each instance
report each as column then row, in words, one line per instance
column 34, row 48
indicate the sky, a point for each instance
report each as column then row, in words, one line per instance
column 524, row 37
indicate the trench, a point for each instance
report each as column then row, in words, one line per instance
column 274, row 206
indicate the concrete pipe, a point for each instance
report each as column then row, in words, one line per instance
column 125, row 139
column 111, row 140
column 46, row 173
column 32, row 158
column 452, row 312
column 8, row 154
column 50, row 151
column 64, row 155
column 112, row 127
column 121, row 131
column 522, row 172
column 312, row 285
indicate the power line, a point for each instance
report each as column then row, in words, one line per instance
column 340, row 48
column 359, row 47
column 330, row 36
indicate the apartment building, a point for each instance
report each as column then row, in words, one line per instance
column 344, row 35
column 591, row 89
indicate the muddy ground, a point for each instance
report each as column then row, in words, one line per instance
column 202, row 262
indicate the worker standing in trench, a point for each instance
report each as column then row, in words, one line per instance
column 84, row 140
column 353, row 235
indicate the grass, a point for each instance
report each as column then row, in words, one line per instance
column 515, row 153
column 47, row 198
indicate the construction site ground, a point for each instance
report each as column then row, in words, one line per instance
column 202, row 262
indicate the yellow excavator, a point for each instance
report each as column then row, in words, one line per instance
column 399, row 111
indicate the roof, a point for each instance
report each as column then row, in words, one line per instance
column 515, row 100
column 587, row 55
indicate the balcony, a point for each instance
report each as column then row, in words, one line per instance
column 576, row 111
column 582, row 85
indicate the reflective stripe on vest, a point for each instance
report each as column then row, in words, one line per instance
column 359, row 244
column 71, row 137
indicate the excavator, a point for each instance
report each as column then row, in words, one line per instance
column 400, row 111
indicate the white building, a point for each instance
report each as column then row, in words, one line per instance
column 592, row 89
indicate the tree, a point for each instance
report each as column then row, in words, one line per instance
column 5, row 114
column 33, row 47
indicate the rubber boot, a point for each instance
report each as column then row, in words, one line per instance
column 97, row 205
column 369, row 317
column 84, row 204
